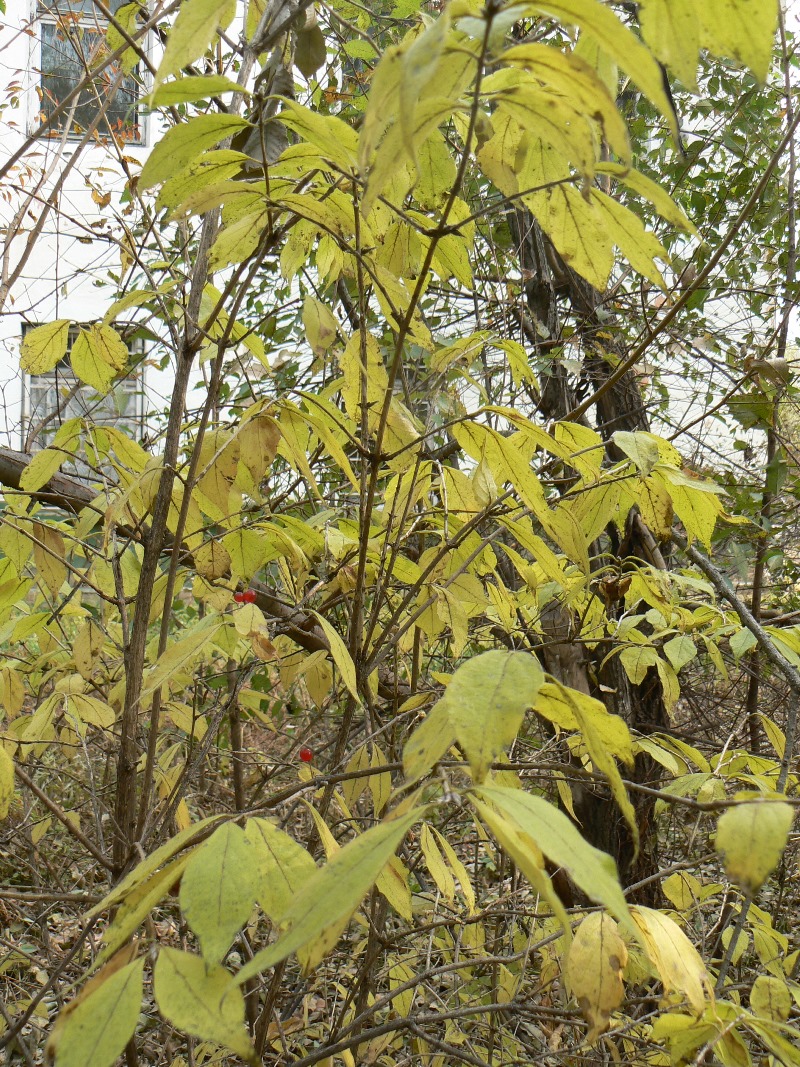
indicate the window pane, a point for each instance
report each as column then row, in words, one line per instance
column 66, row 55
column 79, row 7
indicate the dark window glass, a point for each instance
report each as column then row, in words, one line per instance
column 70, row 48
column 80, row 7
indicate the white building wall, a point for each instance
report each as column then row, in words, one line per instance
column 66, row 275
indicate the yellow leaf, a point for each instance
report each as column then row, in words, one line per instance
column 12, row 691
column 194, row 29
column 258, row 442
column 437, row 868
column 48, row 554
column 180, row 654
column 617, row 40
column 218, row 890
column 201, row 1000
column 639, row 246
column 593, row 970
column 677, row 961
column 545, row 116
column 401, row 974
column 573, row 78
column 333, row 892
column 605, row 736
column 44, row 346
column 682, row 889
column 212, row 560
column 138, row 904
column 592, row 871
column 90, row 710
column 182, row 144
column 459, row 870
column 392, row 883
column 320, row 325
column 98, row 356
column 751, row 838
column 94, row 1029
column 770, row 998
column 341, row 657
column 284, row 866
column 428, row 743
column 486, row 701
column 671, row 29
column 143, row 870
column 6, row 782
column 574, row 225
column 743, row 30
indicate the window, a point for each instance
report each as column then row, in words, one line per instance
column 51, row 399
column 73, row 41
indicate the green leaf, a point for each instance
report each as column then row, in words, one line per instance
column 590, row 869
column 486, row 700
column 218, row 890
column 44, row 346
column 284, row 866
column 751, row 838
column 201, row 1001
column 126, row 17
column 98, row 356
column 94, row 1030
column 310, row 52
column 194, row 30
column 183, row 143
column 333, row 893
column 192, row 87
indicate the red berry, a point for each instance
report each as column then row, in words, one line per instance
column 239, row 597
column 305, row 754
column 249, row 596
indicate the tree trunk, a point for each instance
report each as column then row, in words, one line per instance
column 549, row 281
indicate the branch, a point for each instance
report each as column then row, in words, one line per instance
column 70, row 494
column 765, row 643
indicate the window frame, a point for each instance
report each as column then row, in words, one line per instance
column 62, row 376
column 88, row 18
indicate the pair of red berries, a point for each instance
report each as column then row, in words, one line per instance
column 248, row 596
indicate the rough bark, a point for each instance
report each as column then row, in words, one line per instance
column 549, row 283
